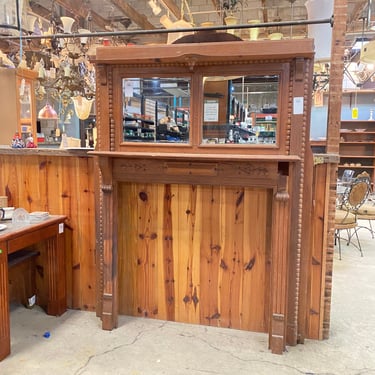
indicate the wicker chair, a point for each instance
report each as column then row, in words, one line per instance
column 347, row 212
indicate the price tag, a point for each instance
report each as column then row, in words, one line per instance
column 354, row 113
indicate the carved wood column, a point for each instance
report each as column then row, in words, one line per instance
column 108, row 223
column 55, row 257
column 279, row 268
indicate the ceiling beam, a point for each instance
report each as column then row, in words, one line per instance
column 82, row 12
column 140, row 19
column 355, row 15
column 173, row 8
column 265, row 11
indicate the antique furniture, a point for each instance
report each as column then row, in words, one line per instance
column 346, row 215
column 204, row 212
column 17, row 99
column 47, row 237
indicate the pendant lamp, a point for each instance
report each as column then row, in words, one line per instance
column 82, row 106
column 67, row 24
column 47, row 113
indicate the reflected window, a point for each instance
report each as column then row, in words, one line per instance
column 156, row 110
column 240, row 109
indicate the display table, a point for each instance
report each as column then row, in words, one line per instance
column 48, row 237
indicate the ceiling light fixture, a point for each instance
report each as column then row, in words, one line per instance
column 47, row 113
column 156, row 9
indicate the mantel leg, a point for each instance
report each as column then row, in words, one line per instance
column 109, row 313
column 279, row 272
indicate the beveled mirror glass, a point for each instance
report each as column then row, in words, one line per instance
column 240, row 109
column 156, row 109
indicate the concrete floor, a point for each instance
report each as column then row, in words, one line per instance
column 77, row 345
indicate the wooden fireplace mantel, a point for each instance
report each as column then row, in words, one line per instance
column 235, row 214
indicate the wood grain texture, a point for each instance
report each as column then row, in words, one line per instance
column 59, row 185
column 177, row 262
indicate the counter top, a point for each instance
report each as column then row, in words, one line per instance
column 71, row 151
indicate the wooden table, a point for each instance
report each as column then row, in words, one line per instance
column 48, row 237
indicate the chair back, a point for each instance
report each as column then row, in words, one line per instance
column 347, row 175
column 356, row 194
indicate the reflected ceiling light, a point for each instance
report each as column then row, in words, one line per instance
column 47, row 113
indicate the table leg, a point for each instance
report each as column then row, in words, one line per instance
column 4, row 305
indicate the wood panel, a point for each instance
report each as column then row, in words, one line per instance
column 195, row 254
column 318, row 256
column 59, row 185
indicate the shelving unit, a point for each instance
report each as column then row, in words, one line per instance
column 265, row 124
column 357, row 147
column 266, row 120
column 17, row 96
column 137, row 129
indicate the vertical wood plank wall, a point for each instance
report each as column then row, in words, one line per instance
column 196, row 254
column 59, row 185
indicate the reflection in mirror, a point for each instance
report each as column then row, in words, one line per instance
column 240, row 109
column 156, row 110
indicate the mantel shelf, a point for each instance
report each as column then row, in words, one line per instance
column 195, row 157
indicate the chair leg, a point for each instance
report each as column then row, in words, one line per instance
column 359, row 243
column 337, row 240
column 371, row 230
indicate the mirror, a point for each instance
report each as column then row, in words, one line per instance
column 240, row 109
column 156, row 109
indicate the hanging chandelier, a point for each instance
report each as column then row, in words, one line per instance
column 65, row 71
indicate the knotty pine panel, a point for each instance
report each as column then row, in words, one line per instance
column 60, row 185
column 195, row 254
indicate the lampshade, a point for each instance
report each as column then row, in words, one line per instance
column 30, row 23
column 82, row 106
column 84, row 39
column 67, row 24
column 47, row 113
column 180, row 24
